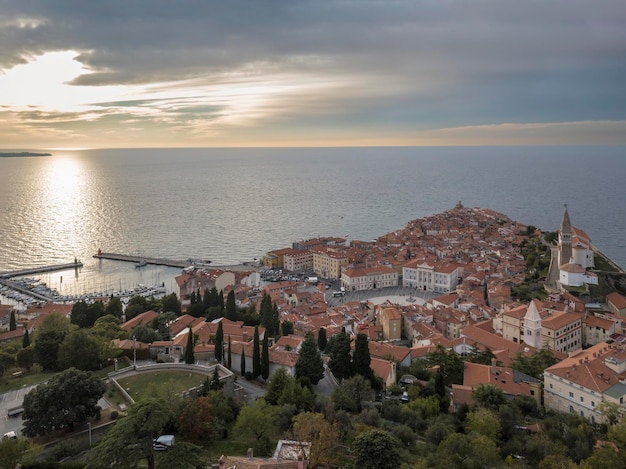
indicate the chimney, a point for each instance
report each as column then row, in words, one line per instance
column 493, row 366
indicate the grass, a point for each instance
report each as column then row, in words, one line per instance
column 10, row 383
column 160, row 383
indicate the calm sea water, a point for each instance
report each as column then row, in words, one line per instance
column 232, row 205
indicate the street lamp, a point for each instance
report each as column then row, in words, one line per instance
column 89, row 424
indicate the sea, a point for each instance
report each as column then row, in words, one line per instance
column 232, row 205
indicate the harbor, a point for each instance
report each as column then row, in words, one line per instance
column 141, row 260
column 43, row 269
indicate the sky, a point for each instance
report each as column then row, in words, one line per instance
column 205, row 73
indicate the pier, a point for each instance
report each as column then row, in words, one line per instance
column 141, row 259
column 39, row 270
column 23, row 290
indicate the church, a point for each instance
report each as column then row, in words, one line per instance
column 575, row 255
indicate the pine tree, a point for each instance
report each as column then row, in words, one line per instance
column 265, row 359
column 189, row 356
column 12, row 322
column 219, row 342
column 322, row 341
column 310, row 364
column 229, row 362
column 256, row 355
column 338, row 349
column 26, row 339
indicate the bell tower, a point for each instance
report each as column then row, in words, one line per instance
column 565, row 239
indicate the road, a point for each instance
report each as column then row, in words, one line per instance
column 7, row 400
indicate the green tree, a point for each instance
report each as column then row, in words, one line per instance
column 25, row 358
column 267, row 315
column 145, row 334
column 242, row 362
column 161, row 324
column 484, row 422
column 25, row 338
column 277, row 385
column 130, row 439
column 18, row 452
column 265, row 359
column 219, row 342
column 489, row 396
column 66, row 399
column 50, row 334
column 12, row 322
column 231, row 306
column 171, row 304
column 256, row 355
column 322, row 341
column 361, row 358
column 114, row 307
column 189, row 355
column 338, row 349
column 351, row 394
column 449, row 362
column 80, row 350
column 136, row 305
column 322, row 434
column 310, row 364
column 286, row 327
column 259, row 422
column 229, row 360
column 376, row 449
column 85, row 315
column 108, row 328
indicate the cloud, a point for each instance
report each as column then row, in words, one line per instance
column 387, row 67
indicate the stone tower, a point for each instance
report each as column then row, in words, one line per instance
column 532, row 326
column 565, row 239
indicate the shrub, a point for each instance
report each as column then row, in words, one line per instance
column 114, row 415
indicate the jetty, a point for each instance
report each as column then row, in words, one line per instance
column 38, row 270
column 142, row 259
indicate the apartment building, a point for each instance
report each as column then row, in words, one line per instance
column 369, row 278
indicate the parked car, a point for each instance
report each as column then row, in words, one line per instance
column 163, row 443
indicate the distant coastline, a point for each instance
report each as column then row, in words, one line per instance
column 22, row 153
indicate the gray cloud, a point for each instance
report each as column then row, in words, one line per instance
column 416, row 63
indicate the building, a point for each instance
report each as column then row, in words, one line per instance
column 616, row 303
column 425, row 276
column 574, row 255
column 391, row 321
column 369, row 278
column 587, row 378
column 328, row 263
column 298, row 261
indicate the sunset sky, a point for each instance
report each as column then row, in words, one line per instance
column 165, row 73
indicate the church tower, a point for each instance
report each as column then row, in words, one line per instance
column 565, row 239
column 532, row 326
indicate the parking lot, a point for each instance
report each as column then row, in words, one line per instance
column 8, row 400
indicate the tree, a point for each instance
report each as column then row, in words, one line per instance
column 12, row 323
column 310, row 364
column 258, row 421
column 189, row 355
column 80, row 350
column 130, row 439
column 229, row 357
column 114, row 307
column 265, row 359
column 361, row 358
column 144, row 334
column 449, row 362
column 351, row 394
column 66, row 399
column 13, row 453
column 286, row 327
column 25, row 358
column 219, row 342
column 489, row 396
column 108, row 328
column 194, row 419
column 242, row 362
column 338, row 349
column 231, row 306
column 256, row 355
column 322, row 434
column 376, row 449
column 85, row 315
column 50, row 334
column 322, row 341
column 266, row 314
column 170, row 304
column 26, row 338
column 136, row 305
column 484, row 422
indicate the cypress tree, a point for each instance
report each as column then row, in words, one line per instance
column 26, row 339
column 219, row 342
column 275, row 320
column 340, row 359
column 12, row 322
column 256, row 355
column 265, row 359
column 242, row 364
column 322, row 341
column 229, row 362
column 231, row 306
column 189, row 356
column 361, row 358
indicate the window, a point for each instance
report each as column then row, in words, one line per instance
column 571, row 394
column 582, row 399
